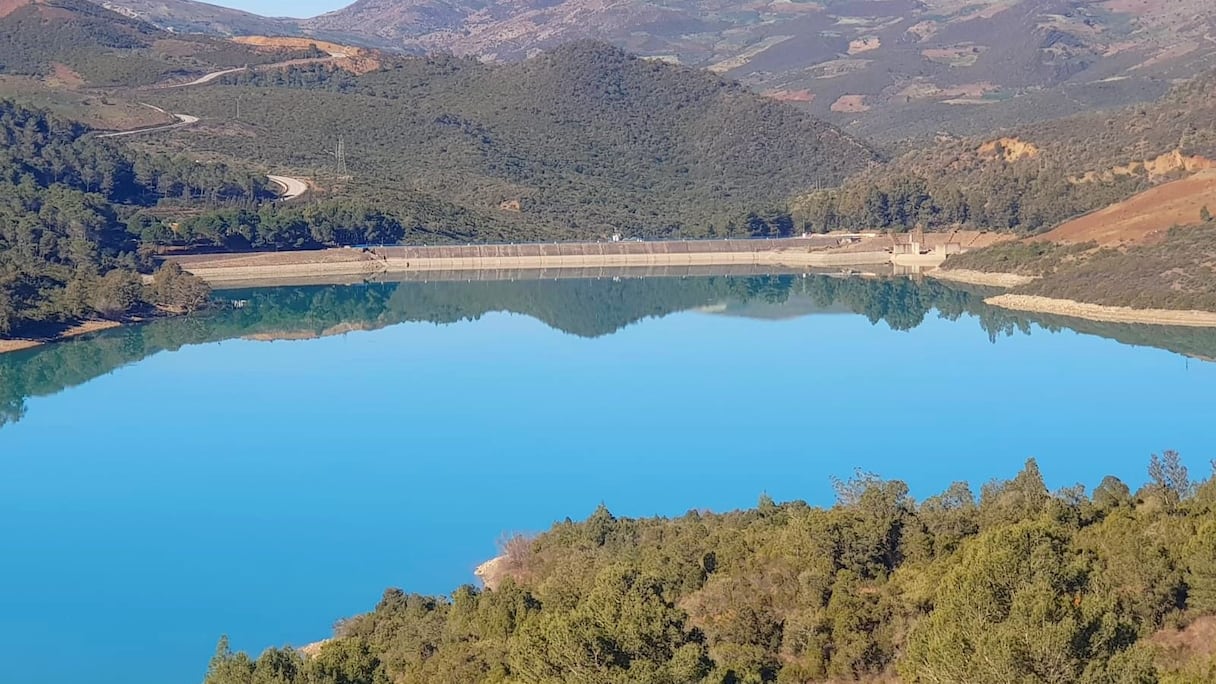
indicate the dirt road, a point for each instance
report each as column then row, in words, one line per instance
column 204, row 80
column 182, row 121
column 292, row 187
column 208, row 78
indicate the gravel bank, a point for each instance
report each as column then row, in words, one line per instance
column 1108, row 314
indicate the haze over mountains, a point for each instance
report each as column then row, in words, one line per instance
column 184, row 16
column 948, row 64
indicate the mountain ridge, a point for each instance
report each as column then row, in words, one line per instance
column 582, row 141
column 191, row 16
column 866, row 65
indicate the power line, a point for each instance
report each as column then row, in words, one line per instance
column 341, row 155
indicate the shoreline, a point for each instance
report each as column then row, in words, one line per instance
column 1190, row 318
column 969, row 277
column 490, row 573
column 8, row 346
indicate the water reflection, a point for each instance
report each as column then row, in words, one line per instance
column 590, row 307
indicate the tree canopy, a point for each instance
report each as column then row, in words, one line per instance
column 1024, row 585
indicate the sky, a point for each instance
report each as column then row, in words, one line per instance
column 284, row 8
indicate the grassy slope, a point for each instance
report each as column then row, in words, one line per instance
column 1177, row 272
column 1150, row 251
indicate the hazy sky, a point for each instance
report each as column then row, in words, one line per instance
column 284, row 8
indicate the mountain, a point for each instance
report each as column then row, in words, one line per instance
column 1031, row 177
column 886, row 68
column 81, row 43
column 583, row 141
column 185, row 16
column 848, row 60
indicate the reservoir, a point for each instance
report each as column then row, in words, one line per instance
column 272, row 466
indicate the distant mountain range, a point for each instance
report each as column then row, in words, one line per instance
column 184, row 16
column 953, row 64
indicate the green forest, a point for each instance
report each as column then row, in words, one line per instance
column 80, row 217
column 1017, row 584
column 581, row 142
column 586, row 140
column 66, row 252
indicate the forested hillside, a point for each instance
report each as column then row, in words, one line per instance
column 886, row 69
column 1032, row 177
column 80, row 214
column 65, row 249
column 582, row 142
column 1016, row 585
column 39, row 37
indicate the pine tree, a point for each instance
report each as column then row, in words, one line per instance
column 1201, row 569
column 1169, row 478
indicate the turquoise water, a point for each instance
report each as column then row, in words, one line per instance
column 151, row 500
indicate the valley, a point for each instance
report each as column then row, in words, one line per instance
column 375, row 288
column 474, row 152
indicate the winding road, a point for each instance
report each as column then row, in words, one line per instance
column 208, row 78
column 182, row 120
column 292, row 187
column 204, row 80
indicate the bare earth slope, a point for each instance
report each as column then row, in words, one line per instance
column 1148, row 259
column 1143, row 217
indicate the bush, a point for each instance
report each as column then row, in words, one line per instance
column 175, row 290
